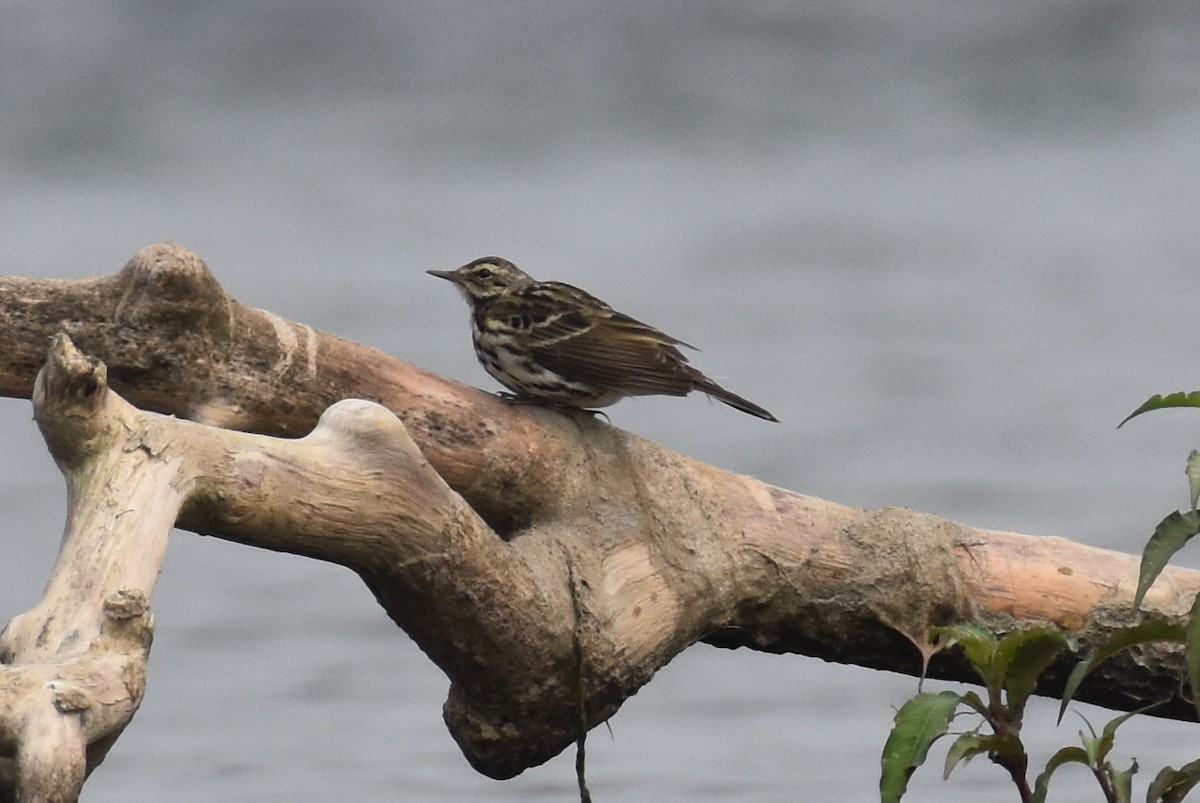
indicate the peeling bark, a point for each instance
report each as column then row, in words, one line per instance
column 535, row 555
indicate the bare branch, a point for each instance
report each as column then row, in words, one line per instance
column 534, row 555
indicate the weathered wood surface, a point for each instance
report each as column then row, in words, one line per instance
column 549, row 563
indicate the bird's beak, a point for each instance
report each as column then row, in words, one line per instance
column 448, row 275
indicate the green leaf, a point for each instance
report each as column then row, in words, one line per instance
column 920, row 722
column 1067, row 755
column 1022, row 656
column 1148, row 630
column 1108, row 736
column 973, row 700
column 1091, row 730
column 1169, row 537
column 1009, row 748
column 1122, row 781
column 1157, row 402
column 1172, row 785
column 1193, row 474
column 966, row 747
column 979, row 645
column 1192, row 651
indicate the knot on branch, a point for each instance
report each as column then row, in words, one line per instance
column 126, row 604
column 371, row 433
column 68, row 391
column 70, row 378
column 127, row 624
column 913, row 578
column 69, row 698
column 167, row 284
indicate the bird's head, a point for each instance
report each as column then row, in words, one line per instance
column 484, row 278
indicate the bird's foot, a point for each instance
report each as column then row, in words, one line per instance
column 514, row 399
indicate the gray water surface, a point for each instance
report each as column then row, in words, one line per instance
column 949, row 244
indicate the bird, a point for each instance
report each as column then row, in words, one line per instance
column 552, row 343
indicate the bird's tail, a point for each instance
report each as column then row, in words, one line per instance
column 706, row 385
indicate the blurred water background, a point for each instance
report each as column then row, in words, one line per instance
column 949, row 244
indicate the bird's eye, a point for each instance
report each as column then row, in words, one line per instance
column 484, row 273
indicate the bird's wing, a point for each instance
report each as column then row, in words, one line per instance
column 605, row 347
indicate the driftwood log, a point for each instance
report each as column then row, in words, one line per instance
column 546, row 561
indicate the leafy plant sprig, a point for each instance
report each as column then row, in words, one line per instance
column 1009, row 668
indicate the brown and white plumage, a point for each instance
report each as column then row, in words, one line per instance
column 549, row 341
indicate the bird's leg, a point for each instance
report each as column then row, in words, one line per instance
column 515, row 399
